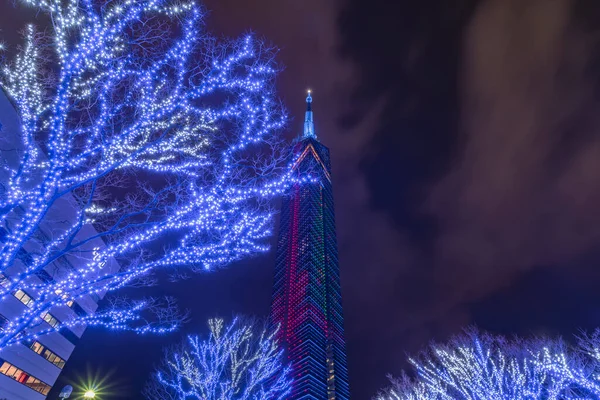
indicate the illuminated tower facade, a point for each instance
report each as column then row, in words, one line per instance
column 307, row 299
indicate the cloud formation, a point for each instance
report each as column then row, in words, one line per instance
column 485, row 156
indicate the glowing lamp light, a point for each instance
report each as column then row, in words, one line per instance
column 89, row 394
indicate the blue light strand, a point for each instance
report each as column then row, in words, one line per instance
column 107, row 113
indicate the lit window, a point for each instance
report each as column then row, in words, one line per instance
column 22, row 377
column 24, row 298
column 52, row 321
column 37, row 347
column 47, row 354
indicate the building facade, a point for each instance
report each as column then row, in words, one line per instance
column 307, row 300
column 29, row 370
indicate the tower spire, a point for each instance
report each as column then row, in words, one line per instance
column 309, row 125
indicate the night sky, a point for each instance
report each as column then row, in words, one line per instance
column 465, row 138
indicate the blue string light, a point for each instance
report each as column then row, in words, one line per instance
column 123, row 96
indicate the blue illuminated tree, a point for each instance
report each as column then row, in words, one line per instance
column 143, row 143
column 482, row 367
column 233, row 363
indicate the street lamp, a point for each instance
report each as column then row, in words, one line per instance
column 92, row 387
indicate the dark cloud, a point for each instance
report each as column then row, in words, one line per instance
column 484, row 157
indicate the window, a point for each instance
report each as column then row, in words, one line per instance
column 3, row 321
column 4, row 282
column 23, row 377
column 47, row 354
column 95, row 297
column 44, row 276
column 69, row 335
column 77, row 309
column 50, row 319
column 25, row 257
column 46, row 316
column 24, row 298
column 64, row 296
column 65, row 264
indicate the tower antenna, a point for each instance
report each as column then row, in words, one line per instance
column 309, row 124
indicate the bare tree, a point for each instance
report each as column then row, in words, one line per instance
column 233, row 363
column 142, row 143
column 483, row 367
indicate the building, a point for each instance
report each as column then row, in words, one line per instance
column 28, row 370
column 307, row 300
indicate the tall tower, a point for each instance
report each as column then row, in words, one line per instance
column 307, row 300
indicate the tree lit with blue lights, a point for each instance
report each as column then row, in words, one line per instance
column 235, row 362
column 144, row 143
column 482, row 367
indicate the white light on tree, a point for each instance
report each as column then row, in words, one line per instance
column 144, row 143
column 483, row 367
column 235, row 362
